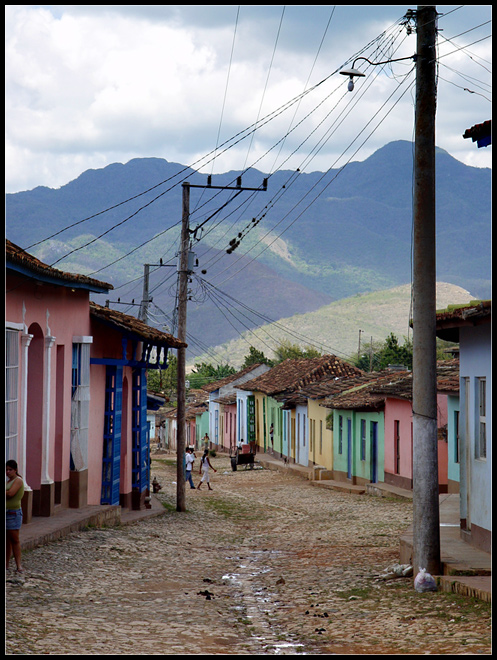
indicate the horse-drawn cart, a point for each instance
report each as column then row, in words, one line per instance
column 242, row 456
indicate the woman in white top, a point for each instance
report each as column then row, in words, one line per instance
column 205, row 464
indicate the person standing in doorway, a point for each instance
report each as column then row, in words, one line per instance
column 205, row 464
column 189, row 460
column 271, row 436
column 14, row 490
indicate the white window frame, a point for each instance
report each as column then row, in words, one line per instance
column 11, row 393
column 80, row 404
column 480, row 419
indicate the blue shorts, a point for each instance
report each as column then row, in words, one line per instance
column 13, row 519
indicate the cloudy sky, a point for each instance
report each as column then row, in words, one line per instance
column 90, row 85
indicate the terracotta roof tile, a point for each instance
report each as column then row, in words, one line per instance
column 397, row 384
column 16, row 256
column 289, row 374
column 361, row 392
column 133, row 326
column 449, row 320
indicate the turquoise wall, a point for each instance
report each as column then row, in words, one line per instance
column 360, row 453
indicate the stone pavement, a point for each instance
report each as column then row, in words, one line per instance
column 466, row 570
column 266, row 563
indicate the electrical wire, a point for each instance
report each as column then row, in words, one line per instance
column 250, row 131
column 327, row 172
column 277, row 324
column 266, row 84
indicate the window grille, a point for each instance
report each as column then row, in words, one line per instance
column 11, row 393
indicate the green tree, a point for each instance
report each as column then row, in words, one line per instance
column 442, row 346
column 165, row 379
column 380, row 355
column 288, row 350
column 393, row 353
column 205, row 373
column 255, row 357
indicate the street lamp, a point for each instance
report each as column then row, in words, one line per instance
column 355, row 72
column 426, row 515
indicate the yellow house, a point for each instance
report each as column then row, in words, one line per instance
column 320, row 436
column 281, row 399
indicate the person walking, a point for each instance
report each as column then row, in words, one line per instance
column 189, row 459
column 205, row 464
column 14, row 490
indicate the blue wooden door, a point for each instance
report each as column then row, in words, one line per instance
column 349, row 448
column 111, row 461
column 374, row 452
column 140, row 450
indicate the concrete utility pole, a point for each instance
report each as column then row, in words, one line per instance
column 426, row 524
column 143, row 314
column 182, row 303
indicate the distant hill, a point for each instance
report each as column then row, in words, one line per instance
column 335, row 327
column 318, row 237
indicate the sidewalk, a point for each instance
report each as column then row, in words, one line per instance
column 465, row 569
column 42, row 530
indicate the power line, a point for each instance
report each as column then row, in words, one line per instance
column 267, row 319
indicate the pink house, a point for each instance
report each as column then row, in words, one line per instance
column 75, row 389
column 398, row 443
column 227, row 431
column 398, row 426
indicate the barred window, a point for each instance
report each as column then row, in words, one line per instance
column 11, row 393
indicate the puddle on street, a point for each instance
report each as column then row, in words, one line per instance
column 258, row 603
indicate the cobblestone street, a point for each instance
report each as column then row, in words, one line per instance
column 264, row 564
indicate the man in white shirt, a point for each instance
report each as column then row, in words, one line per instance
column 189, row 460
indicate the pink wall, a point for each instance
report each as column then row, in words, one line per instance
column 443, row 446
column 229, row 435
column 401, row 410
column 67, row 317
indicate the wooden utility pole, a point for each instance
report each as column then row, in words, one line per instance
column 426, row 522
column 183, row 270
column 359, row 347
column 182, row 298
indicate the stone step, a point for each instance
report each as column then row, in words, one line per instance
column 479, row 587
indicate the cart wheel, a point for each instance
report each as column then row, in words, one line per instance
column 233, row 463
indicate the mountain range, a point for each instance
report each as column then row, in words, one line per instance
column 310, row 239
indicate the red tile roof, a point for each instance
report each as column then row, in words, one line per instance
column 22, row 261
column 479, row 132
column 454, row 317
column 365, row 394
column 395, row 384
column 129, row 325
column 290, row 374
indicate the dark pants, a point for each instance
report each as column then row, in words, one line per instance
column 189, row 478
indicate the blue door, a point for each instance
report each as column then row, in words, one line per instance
column 140, row 449
column 349, row 448
column 374, row 452
column 111, row 461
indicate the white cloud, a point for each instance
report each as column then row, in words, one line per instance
column 87, row 85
